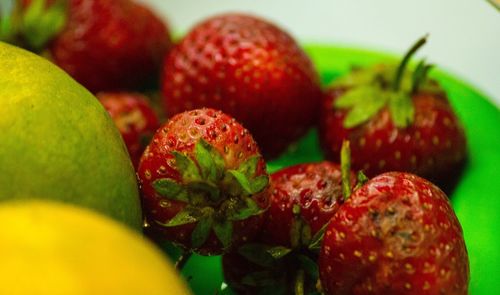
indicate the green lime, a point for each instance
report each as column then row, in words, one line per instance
column 57, row 141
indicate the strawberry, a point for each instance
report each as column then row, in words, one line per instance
column 396, row 120
column 110, row 45
column 304, row 197
column 250, row 69
column 397, row 234
column 203, row 182
column 134, row 117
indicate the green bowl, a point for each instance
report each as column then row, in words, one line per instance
column 474, row 199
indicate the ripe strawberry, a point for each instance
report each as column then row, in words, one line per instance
column 111, row 45
column 396, row 120
column 203, row 182
column 134, row 117
column 397, row 234
column 248, row 68
column 304, row 197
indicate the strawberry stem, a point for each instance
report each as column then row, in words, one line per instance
column 345, row 168
column 182, row 260
column 419, row 75
column 299, row 282
column 404, row 62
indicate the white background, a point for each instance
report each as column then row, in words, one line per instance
column 464, row 34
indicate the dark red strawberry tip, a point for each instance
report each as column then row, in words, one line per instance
column 134, row 117
column 397, row 234
column 262, row 269
column 247, row 277
column 204, row 182
column 250, row 69
column 393, row 124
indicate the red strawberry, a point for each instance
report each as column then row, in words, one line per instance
column 304, row 198
column 111, row 44
column 248, row 68
column 396, row 120
column 203, row 182
column 134, row 117
column 397, row 234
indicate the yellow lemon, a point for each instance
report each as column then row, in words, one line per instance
column 49, row 248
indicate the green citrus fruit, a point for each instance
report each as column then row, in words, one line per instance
column 58, row 142
column 54, row 248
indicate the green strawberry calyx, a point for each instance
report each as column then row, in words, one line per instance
column 384, row 85
column 215, row 196
column 32, row 26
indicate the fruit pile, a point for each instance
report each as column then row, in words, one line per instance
column 202, row 117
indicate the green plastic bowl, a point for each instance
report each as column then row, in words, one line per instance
column 474, row 199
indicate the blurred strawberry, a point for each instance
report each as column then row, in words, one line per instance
column 250, row 69
column 134, row 117
column 111, row 44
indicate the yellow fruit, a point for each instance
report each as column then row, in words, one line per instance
column 58, row 142
column 49, row 248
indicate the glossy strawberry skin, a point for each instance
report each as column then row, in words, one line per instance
column 180, row 134
column 433, row 146
column 110, row 45
column 397, row 234
column 315, row 187
column 249, row 69
column 134, row 117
